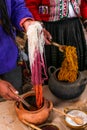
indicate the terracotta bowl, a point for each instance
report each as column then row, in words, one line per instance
column 37, row 116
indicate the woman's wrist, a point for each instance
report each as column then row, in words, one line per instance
column 25, row 23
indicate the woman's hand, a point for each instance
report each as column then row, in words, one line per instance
column 26, row 23
column 47, row 35
column 7, row 91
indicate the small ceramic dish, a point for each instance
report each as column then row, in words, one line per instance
column 76, row 113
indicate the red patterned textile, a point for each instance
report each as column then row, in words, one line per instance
column 84, row 9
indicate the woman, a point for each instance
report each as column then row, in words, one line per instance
column 13, row 15
column 62, row 19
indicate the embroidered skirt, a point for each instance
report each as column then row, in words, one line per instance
column 67, row 31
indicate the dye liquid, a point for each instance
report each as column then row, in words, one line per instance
column 49, row 127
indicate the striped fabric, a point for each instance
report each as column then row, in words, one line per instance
column 60, row 9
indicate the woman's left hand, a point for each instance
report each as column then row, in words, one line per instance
column 47, row 35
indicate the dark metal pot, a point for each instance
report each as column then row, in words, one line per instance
column 66, row 90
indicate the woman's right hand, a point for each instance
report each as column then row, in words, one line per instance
column 7, row 91
column 47, row 37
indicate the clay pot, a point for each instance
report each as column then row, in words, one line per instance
column 37, row 116
column 66, row 90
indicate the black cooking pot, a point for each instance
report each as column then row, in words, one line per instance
column 66, row 90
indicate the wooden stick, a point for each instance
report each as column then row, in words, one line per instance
column 59, row 46
column 31, row 125
column 77, row 120
column 30, row 107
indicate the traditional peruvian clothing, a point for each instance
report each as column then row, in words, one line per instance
column 62, row 19
column 83, row 8
column 8, row 49
column 16, row 12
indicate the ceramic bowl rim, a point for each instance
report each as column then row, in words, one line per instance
column 25, row 110
column 71, row 126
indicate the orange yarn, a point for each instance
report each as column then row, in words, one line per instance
column 39, row 95
column 69, row 69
